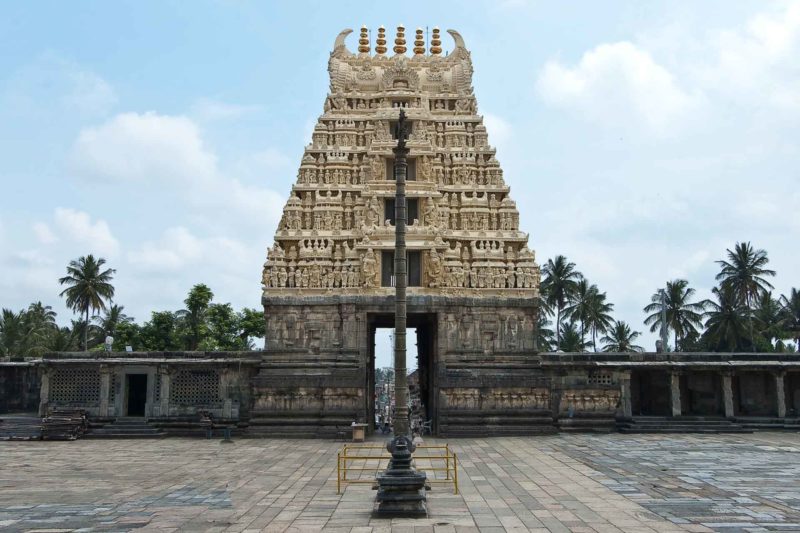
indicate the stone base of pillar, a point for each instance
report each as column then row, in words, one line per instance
column 401, row 489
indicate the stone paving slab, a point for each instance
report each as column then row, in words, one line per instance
column 581, row 483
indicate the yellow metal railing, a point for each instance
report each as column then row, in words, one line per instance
column 362, row 464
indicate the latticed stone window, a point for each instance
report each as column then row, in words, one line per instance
column 79, row 386
column 599, row 378
column 195, row 387
column 157, row 388
column 112, row 389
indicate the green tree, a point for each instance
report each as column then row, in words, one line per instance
column 88, row 287
column 545, row 340
column 621, row 338
column 194, row 316
column 127, row 333
column 108, row 323
column 726, row 321
column 65, row 339
column 769, row 323
column 12, row 333
column 580, row 304
column 791, row 315
column 571, row 339
column 744, row 273
column 559, row 284
column 223, row 329
column 251, row 325
column 598, row 315
column 684, row 317
column 160, row 332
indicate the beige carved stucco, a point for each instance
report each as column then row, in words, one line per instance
column 334, row 226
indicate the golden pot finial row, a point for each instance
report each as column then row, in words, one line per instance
column 400, row 40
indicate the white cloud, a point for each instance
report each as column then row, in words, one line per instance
column 43, row 233
column 207, row 110
column 96, row 236
column 169, row 151
column 178, row 249
column 758, row 62
column 615, row 83
column 144, row 147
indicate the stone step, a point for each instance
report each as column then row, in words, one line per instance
column 123, row 435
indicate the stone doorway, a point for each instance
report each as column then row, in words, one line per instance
column 423, row 379
column 650, row 393
column 136, row 400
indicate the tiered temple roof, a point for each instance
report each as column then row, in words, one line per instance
column 337, row 233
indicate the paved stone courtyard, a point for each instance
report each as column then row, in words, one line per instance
column 555, row 483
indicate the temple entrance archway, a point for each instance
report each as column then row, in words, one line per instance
column 423, row 385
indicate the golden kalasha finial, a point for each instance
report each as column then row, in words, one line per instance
column 436, row 43
column 419, row 43
column 363, row 41
column 400, row 40
column 380, row 42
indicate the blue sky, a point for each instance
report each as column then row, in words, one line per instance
column 640, row 139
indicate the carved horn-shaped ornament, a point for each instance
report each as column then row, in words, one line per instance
column 459, row 40
column 339, row 43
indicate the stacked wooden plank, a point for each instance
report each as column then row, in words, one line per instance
column 64, row 425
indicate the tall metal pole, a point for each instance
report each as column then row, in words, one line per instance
column 400, row 421
column 401, row 488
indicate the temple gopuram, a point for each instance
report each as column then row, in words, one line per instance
column 473, row 287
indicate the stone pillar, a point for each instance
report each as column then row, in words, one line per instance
column 625, row 394
column 727, row 394
column 675, row 393
column 780, row 393
column 105, row 389
column 224, row 391
column 44, row 392
column 165, row 382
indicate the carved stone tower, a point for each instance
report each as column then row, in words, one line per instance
column 328, row 279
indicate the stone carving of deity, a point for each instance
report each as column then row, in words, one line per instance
column 369, row 268
column 433, row 266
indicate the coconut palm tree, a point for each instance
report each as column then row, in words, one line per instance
column 544, row 335
column 40, row 324
column 12, row 332
column 558, row 286
column 726, row 321
column 684, row 317
column 113, row 317
column 744, row 272
column 620, row 338
column 791, row 314
column 571, row 340
column 769, row 322
column 88, row 288
column 66, row 339
column 580, row 304
column 598, row 317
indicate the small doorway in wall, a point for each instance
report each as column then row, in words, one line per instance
column 137, row 394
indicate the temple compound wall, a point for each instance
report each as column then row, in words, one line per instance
column 470, row 392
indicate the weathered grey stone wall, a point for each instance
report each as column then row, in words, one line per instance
column 19, row 387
